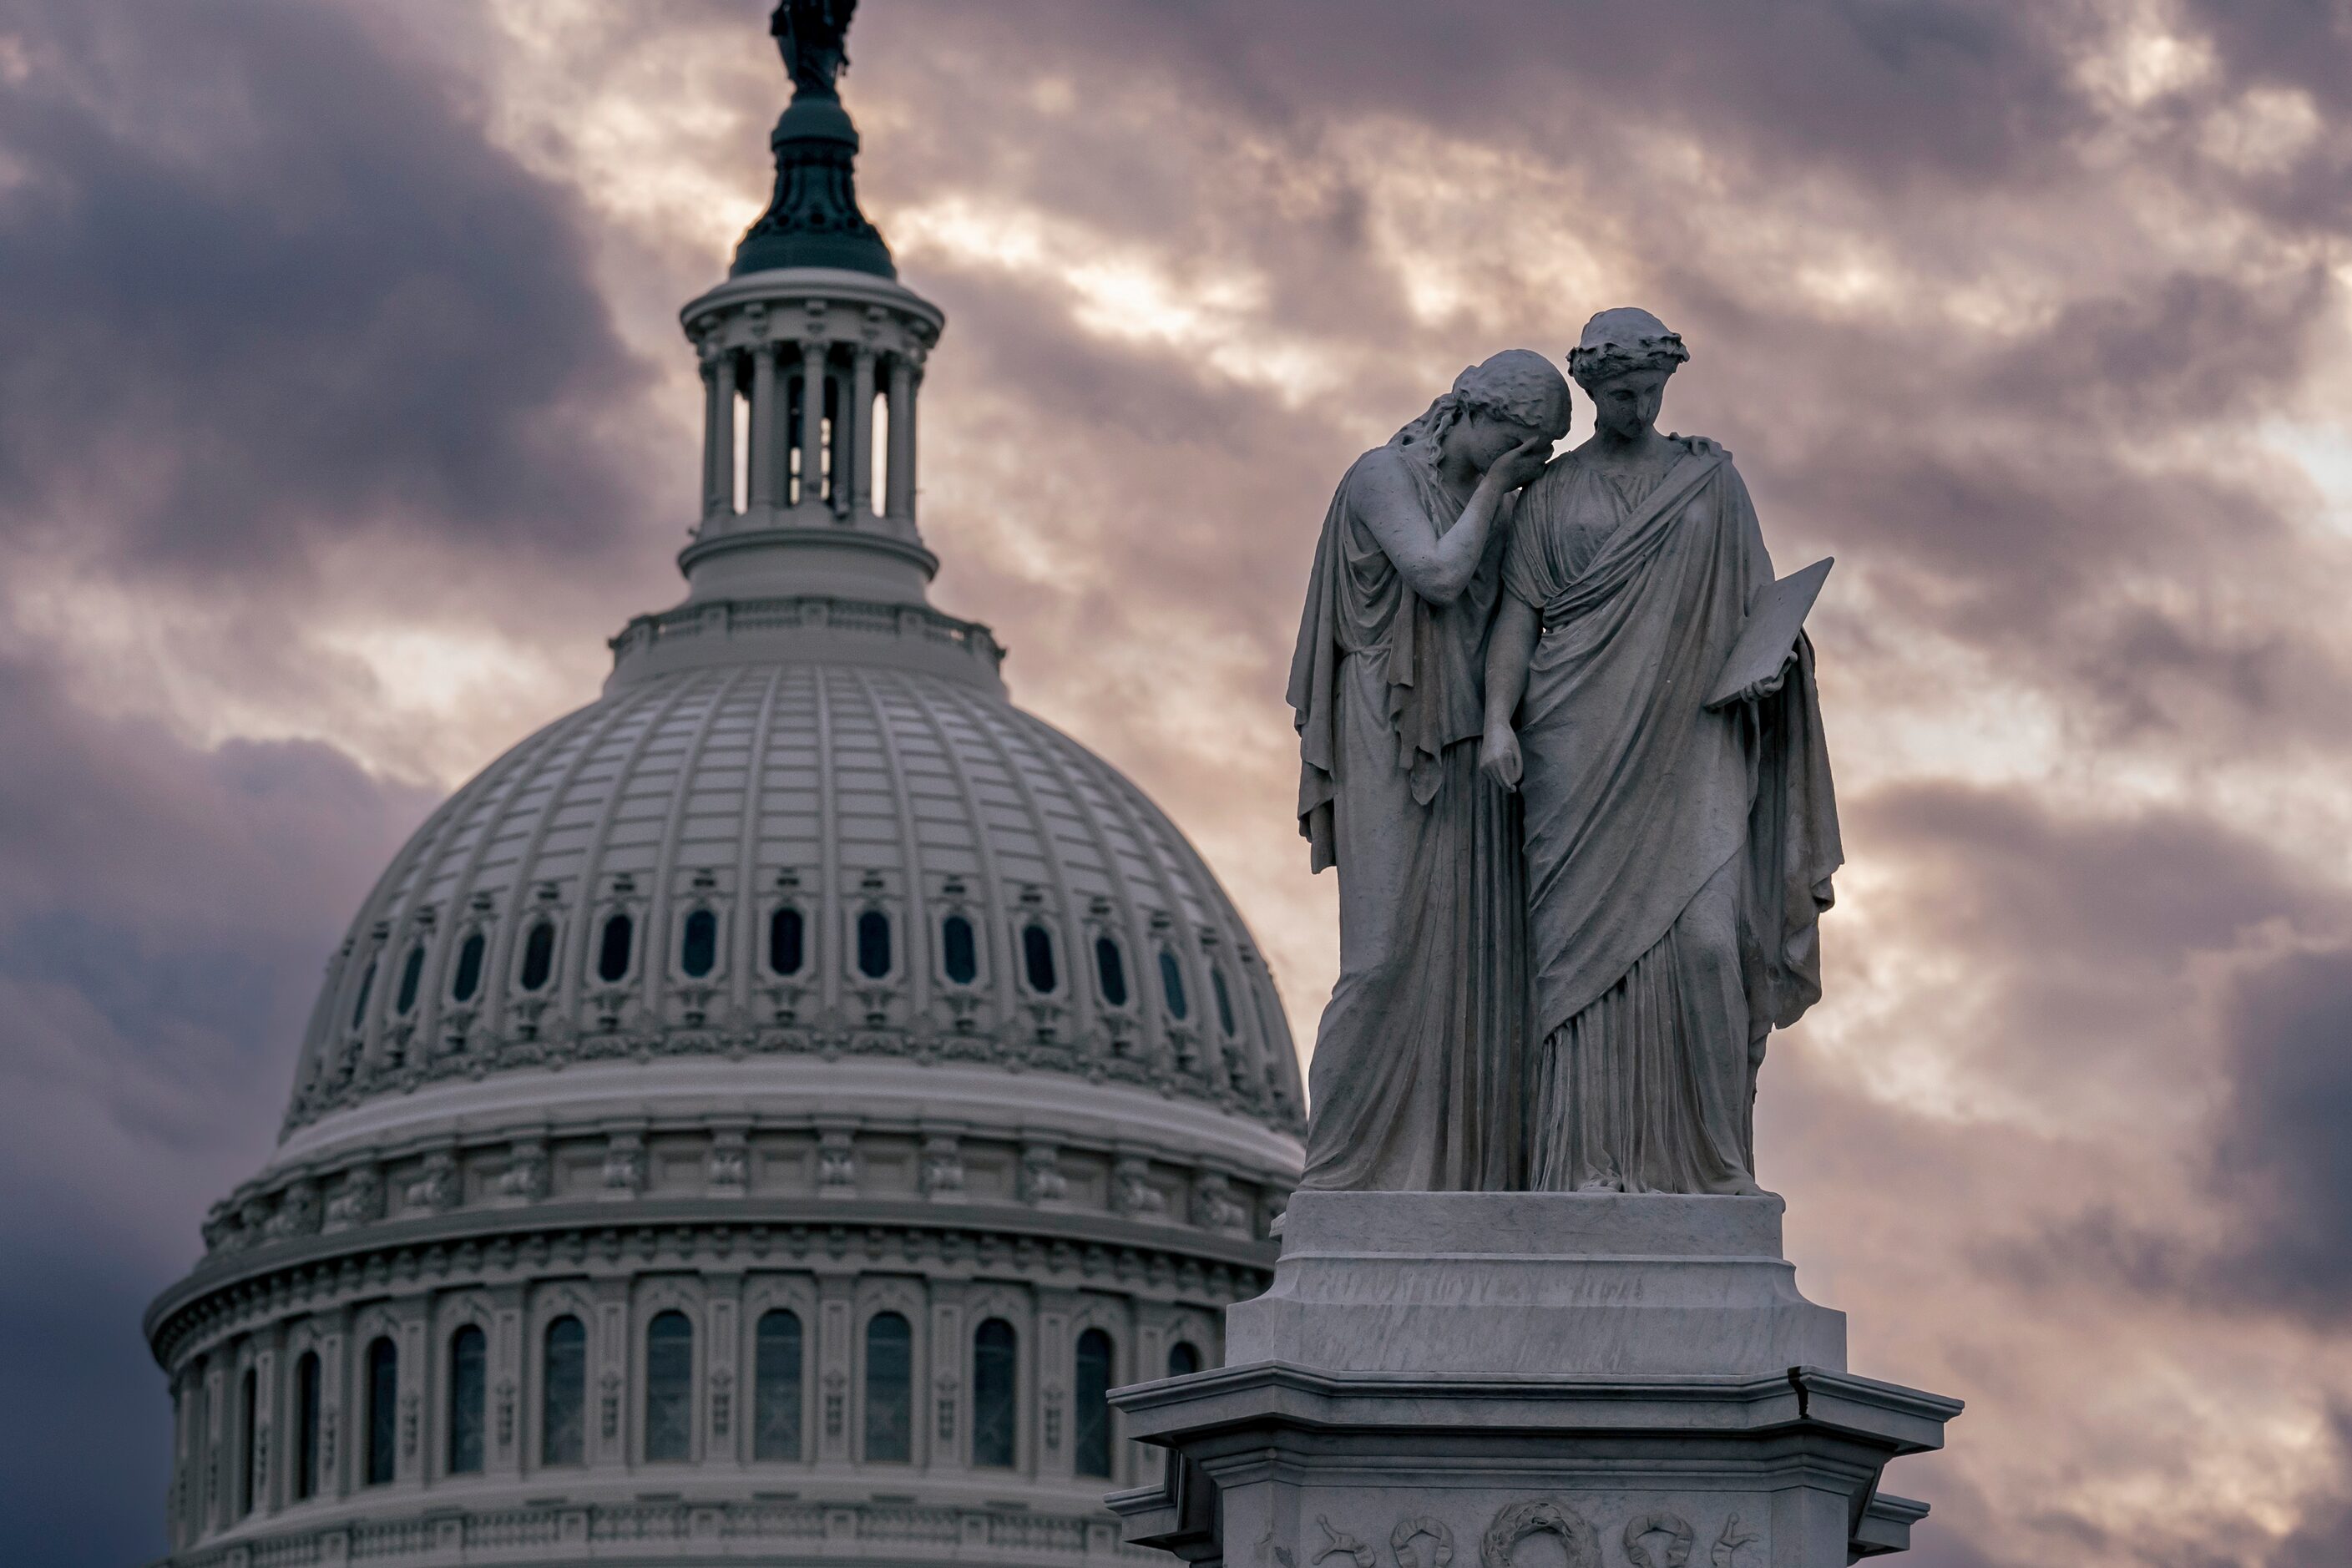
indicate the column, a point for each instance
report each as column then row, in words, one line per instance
column 763, row 486
column 837, row 491
column 813, row 422
column 899, row 498
column 267, row 1459
column 508, row 1359
column 718, row 435
column 860, row 415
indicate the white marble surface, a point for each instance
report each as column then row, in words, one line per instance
column 1614, row 1284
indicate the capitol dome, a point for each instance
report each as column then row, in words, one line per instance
column 761, row 1115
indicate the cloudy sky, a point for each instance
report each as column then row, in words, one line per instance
column 343, row 413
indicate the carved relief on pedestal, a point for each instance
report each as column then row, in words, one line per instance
column 1441, row 1552
column 1540, row 1516
column 1339, row 1543
column 1658, row 1540
column 1726, row 1545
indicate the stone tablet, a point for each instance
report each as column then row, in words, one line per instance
column 1770, row 631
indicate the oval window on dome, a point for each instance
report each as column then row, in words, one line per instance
column 359, row 1007
column 873, row 944
column 1224, row 1001
column 1171, row 986
column 958, row 949
column 1037, row 957
column 1110, row 971
column 697, row 948
column 538, row 956
column 613, row 951
column 469, row 969
column 412, row 973
column 785, row 941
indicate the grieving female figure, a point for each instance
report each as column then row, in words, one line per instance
column 1678, row 856
column 1419, row 1063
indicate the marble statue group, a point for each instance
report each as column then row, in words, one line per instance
column 1579, row 879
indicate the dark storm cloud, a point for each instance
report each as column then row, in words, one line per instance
column 2284, row 1155
column 164, row 913
column 1968, row 92
column 1994, row 872
column 264, row 282
column 2279, row 1167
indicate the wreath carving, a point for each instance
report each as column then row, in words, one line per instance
column 1540, row 1516
column 1400, row 1542
column 1671, row 1525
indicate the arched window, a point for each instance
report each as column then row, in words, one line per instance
column 1224, row 1002
column 784, row 940
column 469, row 969
column 873, row 944
column 669, row 1388
column 776, row 1388
column 382, row 1409
column 539, row 955
column 1171, row 986
column 564, row 1395
column 698, row 947
column 959, row 950
column 411, row 974
column 249, row 1395
column 359, row 1007
column 1184, row 1359
column 469, row 1376
column 995, row 1365
column 1037, row 958
column 889, row 1389
column 306, row 1427
column 1110, row 971
column 1090, row 1400
column 613, row 951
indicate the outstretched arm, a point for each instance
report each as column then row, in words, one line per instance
column 1509, row 647
column 1439, row 566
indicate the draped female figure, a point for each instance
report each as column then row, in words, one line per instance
column 1416, row 1081
column 1678, row 854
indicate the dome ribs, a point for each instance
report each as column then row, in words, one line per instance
column 653, row 943
column 992, row 875
column 916, row 938
column 748, row 934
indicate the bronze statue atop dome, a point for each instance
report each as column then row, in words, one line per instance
column 811, row 35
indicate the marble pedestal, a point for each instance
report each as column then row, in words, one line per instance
column 1528, row 1379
